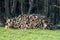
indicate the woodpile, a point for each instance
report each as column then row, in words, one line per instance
column 28, row 22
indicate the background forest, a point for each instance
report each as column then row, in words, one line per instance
column 12, row 8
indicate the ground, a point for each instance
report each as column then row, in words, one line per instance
column 32, row 34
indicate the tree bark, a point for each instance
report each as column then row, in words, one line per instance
column 7, row 8
column 22, row 12
column 30, row 6
column 46, row 7
column 13, row 9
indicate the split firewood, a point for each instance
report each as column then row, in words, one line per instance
column 28, row 22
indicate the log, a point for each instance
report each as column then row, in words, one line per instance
column 28, row 22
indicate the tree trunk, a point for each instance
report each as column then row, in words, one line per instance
column 46, row 7
column 30, row 6
column 55, row 13
column 13, row 9
column 7, row 8
column 22, row 12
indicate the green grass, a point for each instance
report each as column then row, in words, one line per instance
column 32, row 34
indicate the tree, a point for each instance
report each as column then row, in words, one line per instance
column 22, row 7
column 13, row 9
column 7, row 9
column 30, row 6
column 46, row 7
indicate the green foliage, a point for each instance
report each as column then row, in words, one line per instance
column 58, row 23
column 32, row 34
column 1, row 24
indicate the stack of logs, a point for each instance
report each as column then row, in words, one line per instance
column 28, row 22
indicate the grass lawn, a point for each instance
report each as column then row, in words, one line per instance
column 32, row 34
